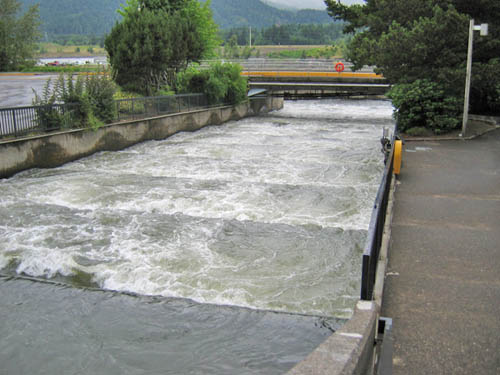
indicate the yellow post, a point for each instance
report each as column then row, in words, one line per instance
column 398, row 155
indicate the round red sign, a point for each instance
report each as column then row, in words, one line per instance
column 339, row 67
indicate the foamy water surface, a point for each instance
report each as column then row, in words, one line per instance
column 269, row 212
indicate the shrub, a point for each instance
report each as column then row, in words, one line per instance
column 485, row 91
column 100, row 90
column 48, row 116
column 417, row 131
column 222, row 83
column 424, row 103
column 90, row 101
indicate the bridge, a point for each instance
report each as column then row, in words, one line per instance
column 311, row 79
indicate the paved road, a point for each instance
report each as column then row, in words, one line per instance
column 16, row 90
column 443, row 281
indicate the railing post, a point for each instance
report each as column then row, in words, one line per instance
column 15, row 123
column 365, row 280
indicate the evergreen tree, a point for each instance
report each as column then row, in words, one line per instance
column 18, row 34
column 417, row 42
column 157, row 39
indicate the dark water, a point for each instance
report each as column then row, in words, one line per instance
column 54, row 329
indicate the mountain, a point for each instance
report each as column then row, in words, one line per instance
column 279, row 5
column 89, row 17
column 255, row 13
column 97, row 17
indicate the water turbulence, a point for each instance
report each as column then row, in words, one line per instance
column 267, row 213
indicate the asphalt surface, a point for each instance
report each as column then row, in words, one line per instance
column 443, row 281
column 17, row 90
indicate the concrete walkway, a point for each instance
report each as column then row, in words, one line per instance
column 443, row 281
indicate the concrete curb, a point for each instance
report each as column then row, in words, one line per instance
column 350, row 350
column 378, row 292
column 492, row 120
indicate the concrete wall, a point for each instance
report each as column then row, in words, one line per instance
column 350, row 350
column 55, row 149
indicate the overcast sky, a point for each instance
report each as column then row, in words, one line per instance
column 312, row 4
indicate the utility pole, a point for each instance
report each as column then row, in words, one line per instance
column 483, row 28
column 250, row 40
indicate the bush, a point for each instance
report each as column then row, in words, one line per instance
column 222, row 83
column 90, row 98
column 418, row 131
column 100, row 90
column 485, row 91
column 424, row 103
column 48, row 115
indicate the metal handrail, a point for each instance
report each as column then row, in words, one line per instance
column 137, row 108
column 20, row 121
column 376, row 229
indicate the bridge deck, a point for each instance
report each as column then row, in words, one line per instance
column 305, row 84
column 320, row 89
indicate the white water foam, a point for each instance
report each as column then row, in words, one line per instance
column 268, row 212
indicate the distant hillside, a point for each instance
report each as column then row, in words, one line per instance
column 97, row 17
column 255, row 13
column 279, row 6
column 88, row 17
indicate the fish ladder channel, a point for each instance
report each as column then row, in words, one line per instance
column 268, row 213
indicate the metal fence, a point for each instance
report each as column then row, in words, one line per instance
column 137, row 108
column 21, row 121
column 376, row 229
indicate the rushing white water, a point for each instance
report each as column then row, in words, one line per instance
column 270, row 212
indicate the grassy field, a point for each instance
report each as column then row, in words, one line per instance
column 264, row 50
column 291, row 51
column 52, row 50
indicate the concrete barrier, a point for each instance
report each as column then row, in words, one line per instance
column 350, row 350
column 54, row 149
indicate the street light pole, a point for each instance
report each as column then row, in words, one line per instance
column 483, row 28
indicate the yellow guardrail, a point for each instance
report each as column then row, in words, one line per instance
column 311, row 74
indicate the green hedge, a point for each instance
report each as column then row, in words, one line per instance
column 222, row 83
column 424, row 103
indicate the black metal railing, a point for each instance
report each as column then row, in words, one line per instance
column 376, row 229
column 137, row 108
column 21, row 121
